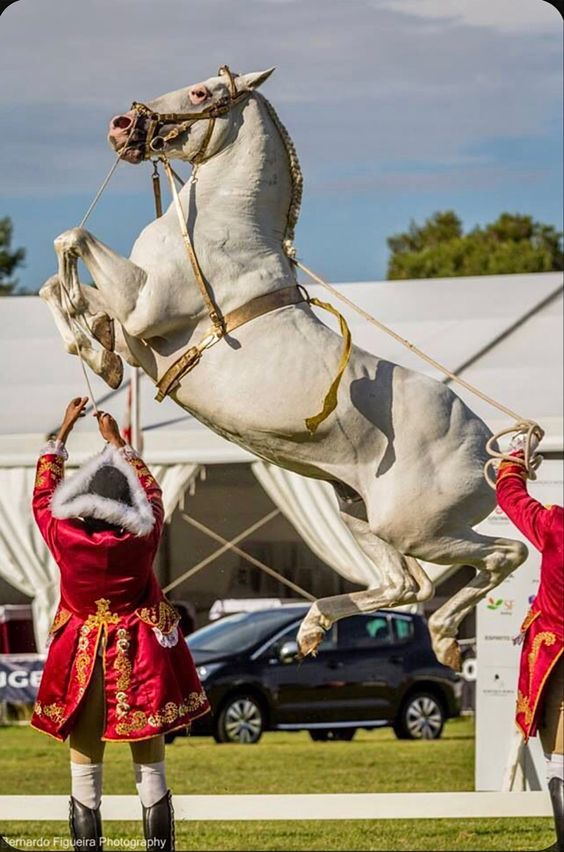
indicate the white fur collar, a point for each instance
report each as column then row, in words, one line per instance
column 71, row 499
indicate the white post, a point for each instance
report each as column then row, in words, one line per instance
column 136, row 435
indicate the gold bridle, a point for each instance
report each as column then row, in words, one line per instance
column 155, row 142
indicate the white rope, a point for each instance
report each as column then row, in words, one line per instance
column 103, row 185
column 70, row 306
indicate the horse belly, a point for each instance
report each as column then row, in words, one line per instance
column 430, row 481
column 258, row 389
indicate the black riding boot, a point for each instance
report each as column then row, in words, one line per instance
column 158, row 825
column 85, row 826
column 556, row 789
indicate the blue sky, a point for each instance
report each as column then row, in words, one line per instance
column 398, row 108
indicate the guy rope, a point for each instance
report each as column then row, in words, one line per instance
column 221, row 324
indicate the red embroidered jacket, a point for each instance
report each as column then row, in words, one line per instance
column 543, row 627
column 111, row 604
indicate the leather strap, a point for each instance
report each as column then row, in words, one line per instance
column 213, row 311
column 234, row 319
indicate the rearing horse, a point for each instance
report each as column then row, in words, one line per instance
column 404, row 453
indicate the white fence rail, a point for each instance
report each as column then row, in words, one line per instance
column 299, row 807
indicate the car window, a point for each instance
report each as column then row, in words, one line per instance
column 238, row 632
column 403, row 628
column 328, row 642
column 366, row 631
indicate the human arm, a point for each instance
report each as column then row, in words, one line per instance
column 51, row 466
column 528, row 515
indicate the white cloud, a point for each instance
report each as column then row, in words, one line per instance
column 506, row 15
column 356, row 81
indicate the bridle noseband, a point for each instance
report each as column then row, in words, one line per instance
column 155, row 142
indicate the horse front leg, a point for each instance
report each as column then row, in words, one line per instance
column 120, row 282
column 105, row 364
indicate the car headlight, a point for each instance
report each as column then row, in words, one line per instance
column 205, row 671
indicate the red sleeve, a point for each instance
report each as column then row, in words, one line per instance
column 528, row 515
column 152, row 490
column 50, row 471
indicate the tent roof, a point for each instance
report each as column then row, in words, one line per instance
column 501, row 333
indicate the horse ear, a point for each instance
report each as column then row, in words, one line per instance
column 253, row 80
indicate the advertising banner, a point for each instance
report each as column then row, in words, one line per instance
column 19, row 677
column 498, row 619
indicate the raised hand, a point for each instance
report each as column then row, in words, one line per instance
column 73, row 411
column 109, row 430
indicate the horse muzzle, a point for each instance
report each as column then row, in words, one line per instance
column 127, row 134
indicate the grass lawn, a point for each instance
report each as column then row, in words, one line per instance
column 373, row 762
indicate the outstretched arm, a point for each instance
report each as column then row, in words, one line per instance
column 50, row 468
column 528, row 515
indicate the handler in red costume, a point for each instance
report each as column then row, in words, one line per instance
column 540, row 696
column 118, row 668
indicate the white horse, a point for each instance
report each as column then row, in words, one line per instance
column 404, row 453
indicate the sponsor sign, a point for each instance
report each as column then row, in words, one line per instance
column 19, row 677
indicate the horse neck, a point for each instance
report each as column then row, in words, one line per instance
column 240, row 207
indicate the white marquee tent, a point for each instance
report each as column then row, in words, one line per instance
column 501, row 333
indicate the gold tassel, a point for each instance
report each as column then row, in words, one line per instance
column 330, row 401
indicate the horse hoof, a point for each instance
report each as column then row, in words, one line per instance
column 112, row 369
column 309, row 642
column 102, row 328
column 452, row 657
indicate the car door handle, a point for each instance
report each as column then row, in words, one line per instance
column 396, row 658
column 335, row 664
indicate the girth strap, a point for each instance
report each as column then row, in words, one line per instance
column 232, row 320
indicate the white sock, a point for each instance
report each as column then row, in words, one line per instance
column 86, row 783
column 554, row 765
column 150, row 782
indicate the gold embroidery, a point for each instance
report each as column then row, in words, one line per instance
column 524, row 701
column 137, row 721
column 164, row 716
column 122, row 664
column 83, row 658
column 102, row 617
column 162, row 617
column 96, row 620
column 55, row 712
column 44, row 467
column 141, row 470
column 61, row 618
column 528, row 620
column 546, row 637
column 524, row 706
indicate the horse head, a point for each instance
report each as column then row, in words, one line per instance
column 193, row 123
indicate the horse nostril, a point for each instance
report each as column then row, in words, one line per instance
column 120, row 122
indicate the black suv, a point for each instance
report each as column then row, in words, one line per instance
column 370, row 671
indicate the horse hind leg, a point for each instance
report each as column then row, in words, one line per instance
column 105, row 364
column 402, row 581
column 494, row 559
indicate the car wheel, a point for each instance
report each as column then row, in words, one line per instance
column 421, row 717
column 333, row 734
column 319, row 736
column 241, row 720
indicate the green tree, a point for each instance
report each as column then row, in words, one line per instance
column 9, row 260
column 440, row 249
